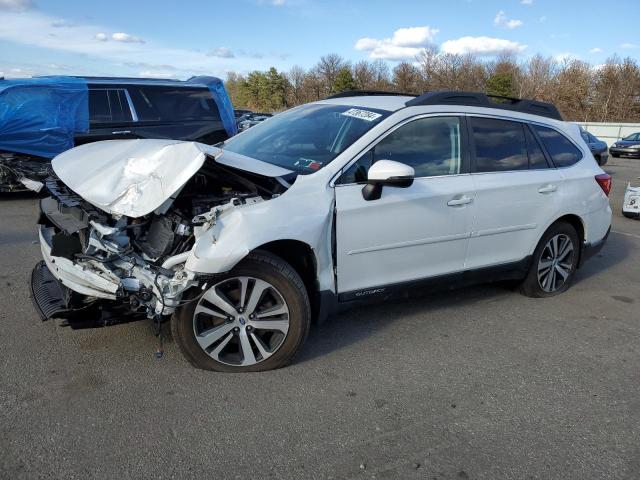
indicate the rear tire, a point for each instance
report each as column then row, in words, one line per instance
column 253, row 318
column 630, row 214
column 554, row 262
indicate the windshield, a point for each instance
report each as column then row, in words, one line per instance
column 307, row 138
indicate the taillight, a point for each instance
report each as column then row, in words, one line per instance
column 604, row 180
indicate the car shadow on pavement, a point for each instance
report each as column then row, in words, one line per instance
column 350, row 326
column 355, row 324
column 616, row 250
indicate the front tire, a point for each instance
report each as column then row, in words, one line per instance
column 554, row 263
column 253, row 318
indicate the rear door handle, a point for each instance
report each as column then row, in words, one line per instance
column 547, row 189
column 456, row 202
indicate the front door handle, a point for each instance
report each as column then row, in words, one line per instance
column 547, row 189
column 456, row 202
column 121, row 132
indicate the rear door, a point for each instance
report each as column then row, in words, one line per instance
column 517, row 191
column 409, row 233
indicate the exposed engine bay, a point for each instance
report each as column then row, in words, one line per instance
column 125, row 268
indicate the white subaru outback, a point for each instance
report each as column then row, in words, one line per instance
column 354, row 197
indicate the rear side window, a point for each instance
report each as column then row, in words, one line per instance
column 500, row 145
column 157, row 103
column 108, row 106
column 562, row 151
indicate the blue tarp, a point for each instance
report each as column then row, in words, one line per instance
column 40, row 116
column 221, row 97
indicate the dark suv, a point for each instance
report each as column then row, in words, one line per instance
column 118, row 108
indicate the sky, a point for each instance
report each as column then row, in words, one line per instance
column 179, row 39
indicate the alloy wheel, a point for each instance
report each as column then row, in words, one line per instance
column 241, row 321
column 556, row 263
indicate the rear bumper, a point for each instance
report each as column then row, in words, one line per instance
column 591, row 249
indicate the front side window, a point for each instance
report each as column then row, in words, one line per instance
column 306, row 138
column 562, row 151
column 632, row 138
column 430, row 145
column 500, row 145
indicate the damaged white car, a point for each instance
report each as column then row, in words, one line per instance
column 241, row 245
column 631, row 203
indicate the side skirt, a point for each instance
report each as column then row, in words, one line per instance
column 508, row 271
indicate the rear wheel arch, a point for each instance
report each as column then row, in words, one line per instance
column 575, row 221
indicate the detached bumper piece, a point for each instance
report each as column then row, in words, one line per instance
column 53, row 300
column 50, row 297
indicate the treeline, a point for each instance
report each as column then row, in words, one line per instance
column 583, row 92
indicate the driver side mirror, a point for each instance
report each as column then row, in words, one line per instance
column 387, row 173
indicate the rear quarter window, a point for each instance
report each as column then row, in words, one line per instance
column 157, row 103
column 561, row 150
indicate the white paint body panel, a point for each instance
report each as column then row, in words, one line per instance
column 511, row 214
column 407, row 234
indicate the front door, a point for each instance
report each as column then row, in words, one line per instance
column 409, row 233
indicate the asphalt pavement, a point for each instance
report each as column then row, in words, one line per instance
column 477, row 383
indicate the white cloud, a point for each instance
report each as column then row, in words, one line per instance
column 628, row 46
column 221, row 52
column 405, row 43
column 126, row 38
column 595, row 50
column 157, row 74
column 526, row 2
column 481, row 46
column 501, row 20
column 16, row 5
column 100, row 52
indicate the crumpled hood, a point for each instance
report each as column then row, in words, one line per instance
column 134, row 177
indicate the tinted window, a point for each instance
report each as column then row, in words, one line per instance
column 500, row 145
column 537, row 159
column 562, row 151
column 173, row 104
column 108, row 106
column 430, row 145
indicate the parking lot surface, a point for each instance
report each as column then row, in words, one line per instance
column 477, row 383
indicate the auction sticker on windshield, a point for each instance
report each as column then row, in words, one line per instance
column 362, row 114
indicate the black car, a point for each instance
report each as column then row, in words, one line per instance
column 598, row 147
column 118, row 108
column 629, row 146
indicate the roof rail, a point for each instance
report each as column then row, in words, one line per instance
column 478, row 99
column 368, row 93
